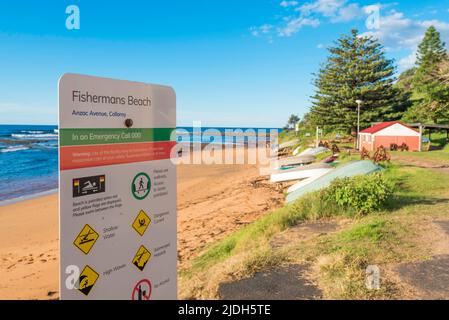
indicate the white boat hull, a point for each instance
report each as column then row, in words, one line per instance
column 298, row 175
column 304, row 182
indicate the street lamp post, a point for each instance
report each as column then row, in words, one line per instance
column 359, row 103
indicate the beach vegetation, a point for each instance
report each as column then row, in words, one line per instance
column 427, row 83
column 381, row 218
column 338, row 259
column 357, row 69
column 361, row 194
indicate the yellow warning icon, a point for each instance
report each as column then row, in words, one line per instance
column 86, row 239
column 141, row 258
column 87, row 280
column 141, row 222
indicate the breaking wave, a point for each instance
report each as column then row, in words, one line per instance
column 35, row 136
column 13, row 149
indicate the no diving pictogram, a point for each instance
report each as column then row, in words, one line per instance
column 142, row 290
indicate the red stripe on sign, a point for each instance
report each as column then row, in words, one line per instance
column 76, row 157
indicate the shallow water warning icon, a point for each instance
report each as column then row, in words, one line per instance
column 86, row 239
column 141, row 222
column 87, row 280
column 141, row 258
column 141, row 186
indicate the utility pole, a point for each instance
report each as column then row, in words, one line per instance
column 420, row 137
column 359, row 103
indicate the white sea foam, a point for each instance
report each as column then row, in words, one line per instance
column 13, row 149
column 33, row 131
column 35, row 136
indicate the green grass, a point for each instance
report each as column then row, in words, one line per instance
column 343, row 258
column 339, row 259
column 373, row 232
column 434, row 155
column 439, row 151
column 416, row 187
column 308, row 208
column 287, row 135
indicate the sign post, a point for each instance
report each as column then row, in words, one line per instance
column 117, row 189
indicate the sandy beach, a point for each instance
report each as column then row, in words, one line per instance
column 213, row 201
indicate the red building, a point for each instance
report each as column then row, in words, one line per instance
column 387, row 133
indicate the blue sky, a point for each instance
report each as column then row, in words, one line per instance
column 231, row 62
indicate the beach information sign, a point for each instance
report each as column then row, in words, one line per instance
column 117, row 189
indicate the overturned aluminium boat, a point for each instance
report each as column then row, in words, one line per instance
column 348, row 170
column 304, row 182
column 288, row 144
column 294, row 161
column 299, row 173
column 313, row 151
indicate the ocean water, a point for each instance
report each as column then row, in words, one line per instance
column 223, row 135
column 29, row 156
column 28, row 160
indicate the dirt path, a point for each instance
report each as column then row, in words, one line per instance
column 304, row 232
column 421, row 163
column 283, row 283
column 289, row 282
column 429, row 279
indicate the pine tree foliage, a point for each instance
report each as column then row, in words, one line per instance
column 428, row 83
column 356, row 69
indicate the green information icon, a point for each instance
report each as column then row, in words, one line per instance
column 141, row 186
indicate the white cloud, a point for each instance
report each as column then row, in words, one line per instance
column 407, row 62
column 294, row 25
column 263, row 29
column 350, row 12
column 287, row 4
column 397, row 32
column 311, row 14
column 440, row 25
column 394, row 29
column 327, row 8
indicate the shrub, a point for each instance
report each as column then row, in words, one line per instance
column 381, row 155
column 404, row 147
column 363, row 194
column 313, row 206
column 394, row 147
